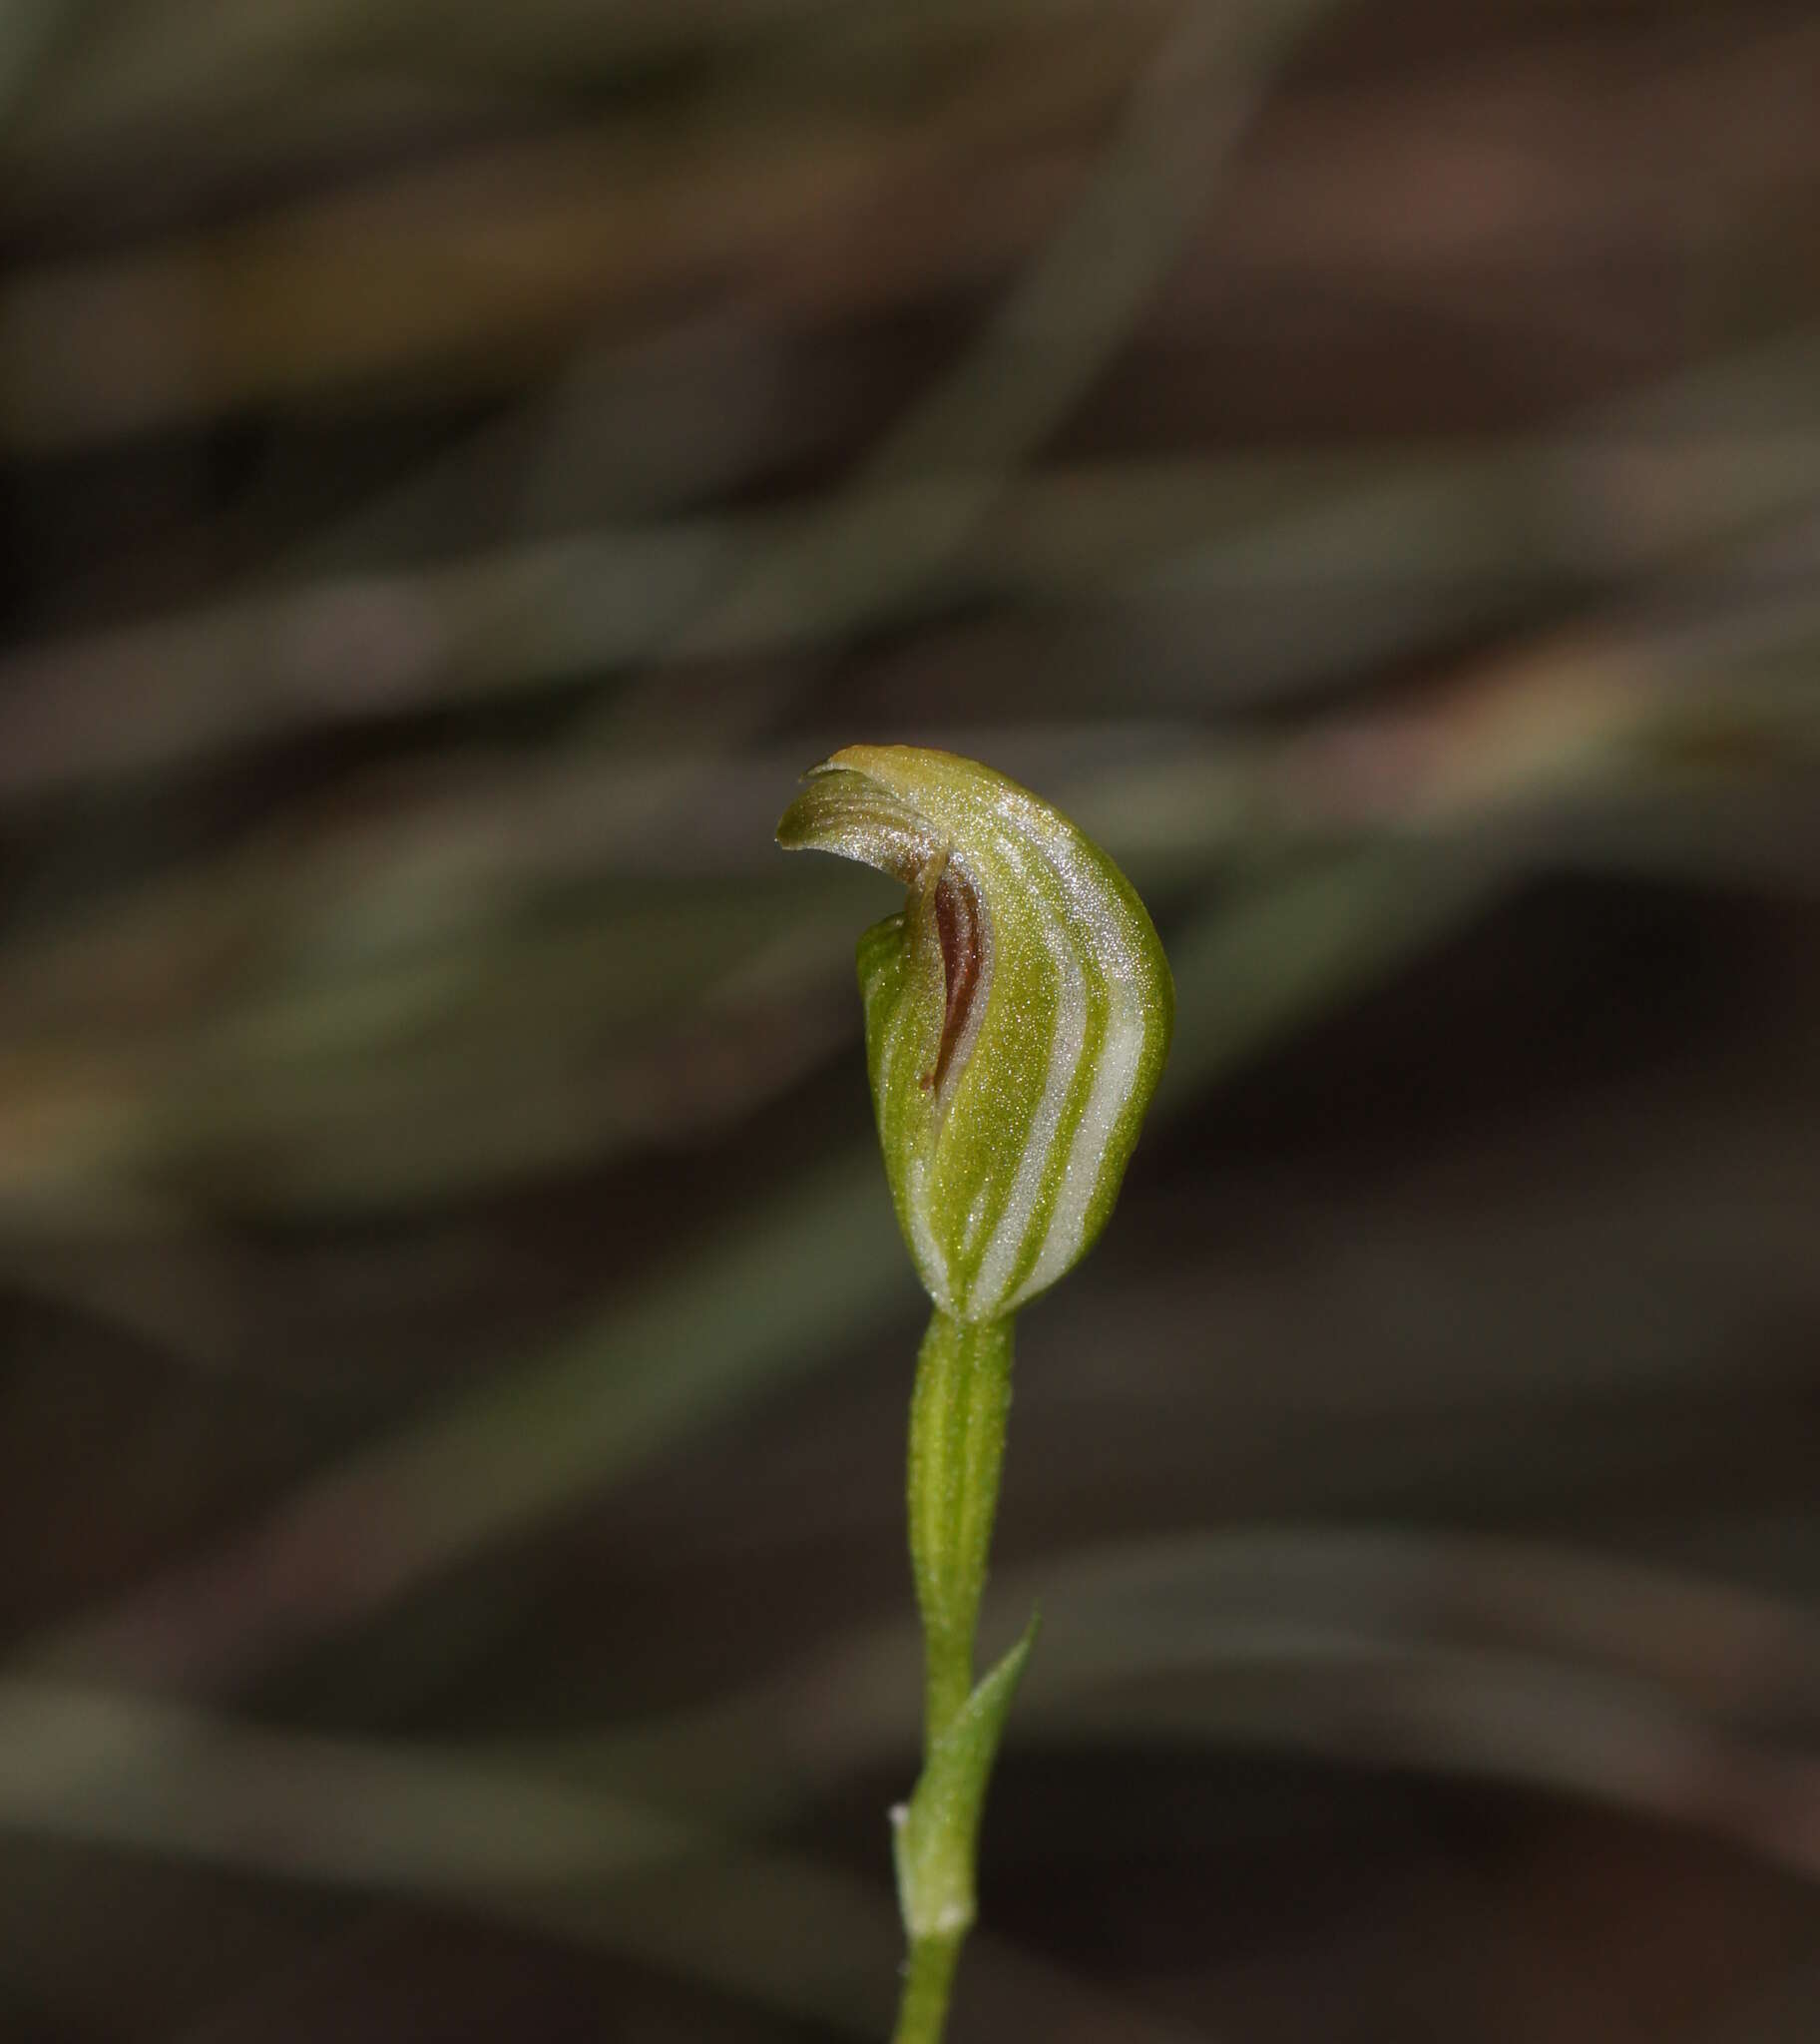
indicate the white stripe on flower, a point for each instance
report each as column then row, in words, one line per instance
column 1066, row 1045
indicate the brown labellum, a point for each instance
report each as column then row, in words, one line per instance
column 957, row 925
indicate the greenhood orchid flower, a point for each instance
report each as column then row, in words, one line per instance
column 1018, row 1013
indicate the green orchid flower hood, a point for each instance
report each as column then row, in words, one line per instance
column 1018, row 1013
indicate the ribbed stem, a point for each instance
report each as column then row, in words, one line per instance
column 957, row 1444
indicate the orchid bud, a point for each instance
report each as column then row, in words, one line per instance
column 1017, row 1012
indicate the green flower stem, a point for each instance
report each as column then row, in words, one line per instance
column 928, row 1981
column 957, row 1442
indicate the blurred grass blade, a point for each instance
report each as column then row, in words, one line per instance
column 781, row 1933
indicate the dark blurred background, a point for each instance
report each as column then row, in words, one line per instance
column 458, row 464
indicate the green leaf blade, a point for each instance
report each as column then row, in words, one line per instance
column 936, row 1833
